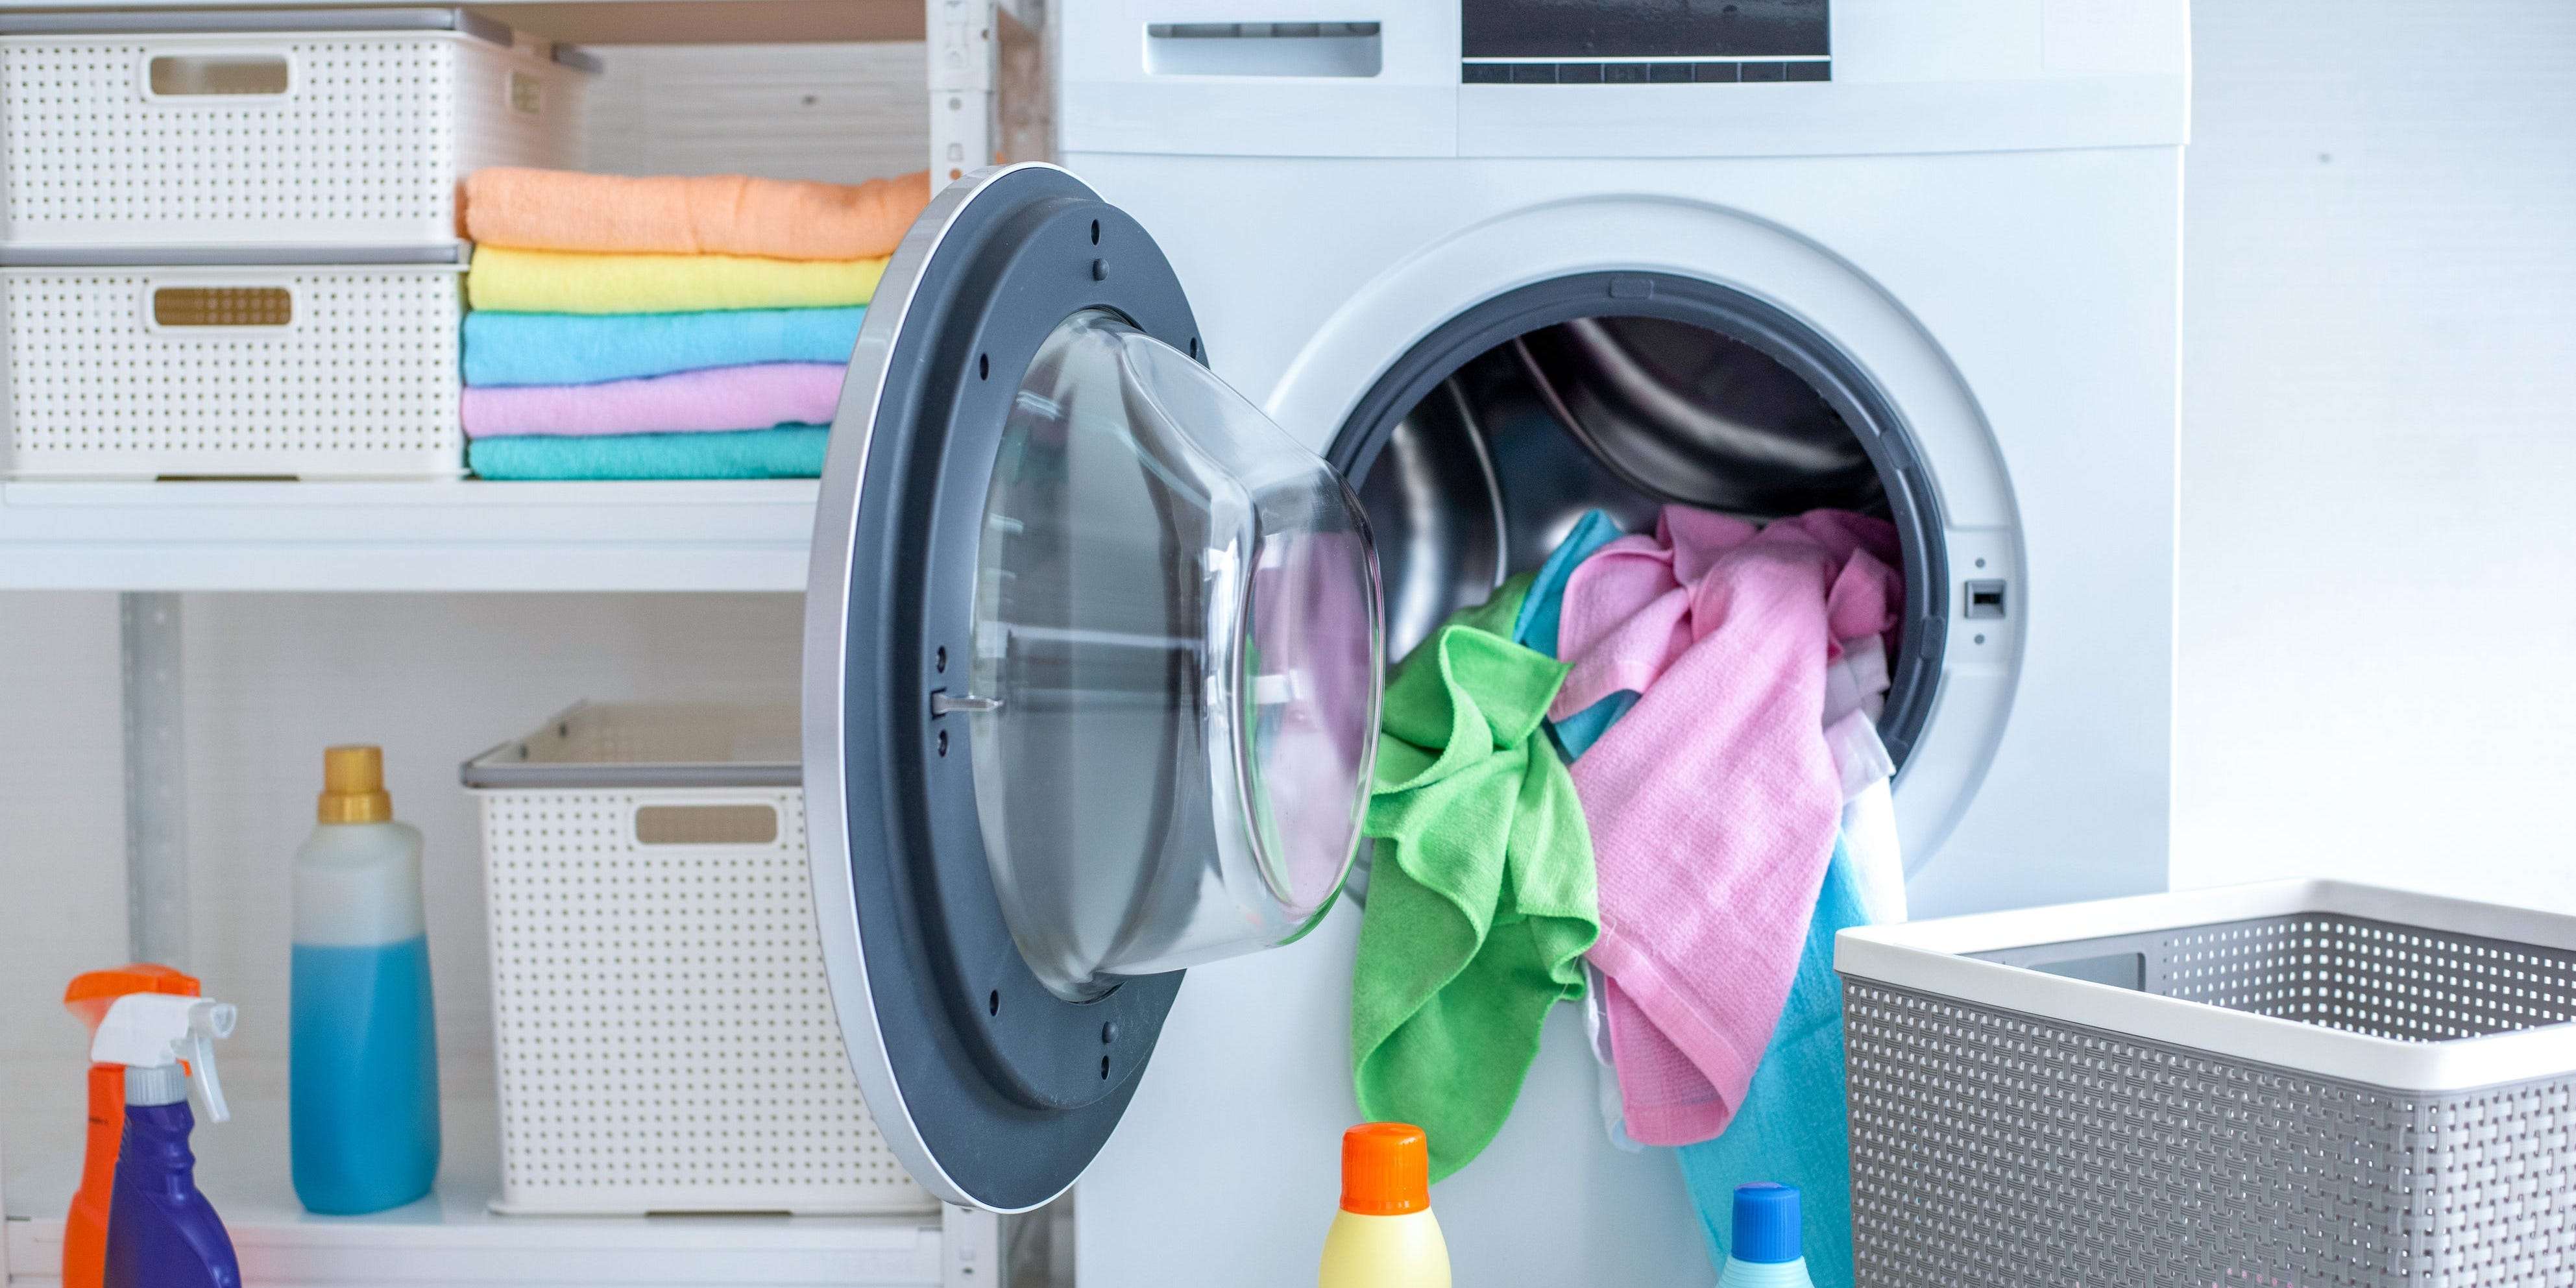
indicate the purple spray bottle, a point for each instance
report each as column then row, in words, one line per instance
column 162, row 1233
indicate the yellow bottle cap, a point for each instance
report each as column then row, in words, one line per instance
column 353, row 786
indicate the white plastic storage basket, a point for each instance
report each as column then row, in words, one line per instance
column 313, row 371
column 2307, row 1084
column 665, row 1031
column 214, row 128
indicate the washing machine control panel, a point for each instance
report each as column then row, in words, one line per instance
column 1641, row 42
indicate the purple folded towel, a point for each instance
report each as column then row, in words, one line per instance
column 715, row 398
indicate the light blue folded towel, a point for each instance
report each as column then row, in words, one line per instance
column 786, row 452
column 586, row 349
column 1792, row 1127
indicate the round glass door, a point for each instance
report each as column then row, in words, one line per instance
column 1092, row 673
column 1174, row 683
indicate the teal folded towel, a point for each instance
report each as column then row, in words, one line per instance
column 587, row 349
column 1792, row 1128
column 786, row 452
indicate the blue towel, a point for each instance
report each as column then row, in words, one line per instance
column 585, row 349
column 787, row 452
column 1792, row 1127
column 1544, row 612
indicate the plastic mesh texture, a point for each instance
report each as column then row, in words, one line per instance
column 667, row 734
column 362, row 382
column 2371, row 977
column 365, row 147
column 1991, row 1147
column 665, row 1032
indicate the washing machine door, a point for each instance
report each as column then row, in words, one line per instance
column 1093, row 658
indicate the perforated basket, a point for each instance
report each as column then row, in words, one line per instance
column 665, row 1033
column 304, row 371
column 266, row 133
column 2308, row 1084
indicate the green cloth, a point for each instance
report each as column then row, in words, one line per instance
column 1480, row 899
column 787, row 452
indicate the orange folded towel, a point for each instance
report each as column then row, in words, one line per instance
column 710, row 215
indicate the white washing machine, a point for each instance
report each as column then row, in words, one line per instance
column 1091, row 654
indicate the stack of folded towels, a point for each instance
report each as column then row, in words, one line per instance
column 665, row 328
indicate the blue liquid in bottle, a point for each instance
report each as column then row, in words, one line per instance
column 365, row 1076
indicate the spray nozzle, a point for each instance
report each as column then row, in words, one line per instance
column 92, row 992
column 160, row 1031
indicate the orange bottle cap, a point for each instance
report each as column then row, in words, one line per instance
column 1386, row 1169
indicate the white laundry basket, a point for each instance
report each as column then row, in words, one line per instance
column 665, row 1032
column 280, row 128
column 309, row 371
column 2297, row 1085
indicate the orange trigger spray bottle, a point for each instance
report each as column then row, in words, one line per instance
column 85, row 1226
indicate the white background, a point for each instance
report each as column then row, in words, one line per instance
column 2378, row 563
column 2379, row 447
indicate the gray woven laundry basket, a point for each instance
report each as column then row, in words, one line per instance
column 2296, row 1085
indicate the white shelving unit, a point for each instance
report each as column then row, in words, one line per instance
column 451, row 1238
column 430, row 536
column 466, row 534
column 634, row 22
column 143, row 538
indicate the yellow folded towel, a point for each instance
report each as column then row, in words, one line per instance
column 554, row 281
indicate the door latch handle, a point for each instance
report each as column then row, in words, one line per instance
column 941, row 704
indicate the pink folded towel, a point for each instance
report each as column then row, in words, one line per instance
column 1713, row 803
column 714, row 398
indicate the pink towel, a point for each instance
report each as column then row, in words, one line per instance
column 1713, row 802
column 714, row 398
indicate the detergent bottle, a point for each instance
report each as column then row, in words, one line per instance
column 362, row 1034
column 1385, row 1236
column 1767, row 1250
column 85, row 1225
column 162, row 1233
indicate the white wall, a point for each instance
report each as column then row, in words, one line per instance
column 2379, row 446
column 840, row 113
column 270, row 681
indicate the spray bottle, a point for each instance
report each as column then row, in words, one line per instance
column 85, row 1226
column 162, row 1233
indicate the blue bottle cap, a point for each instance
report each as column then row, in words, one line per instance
column 1766, row 1224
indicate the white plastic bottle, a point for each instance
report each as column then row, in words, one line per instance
column 364, row 1039
column 1384, row 1236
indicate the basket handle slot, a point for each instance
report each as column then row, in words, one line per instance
column 752, row 824
column 223, row 306
column 2120, row 961
column 211, row 75
column 2119, row 970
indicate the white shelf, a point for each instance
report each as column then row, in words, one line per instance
column 428, row 536
column 449, row 1240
